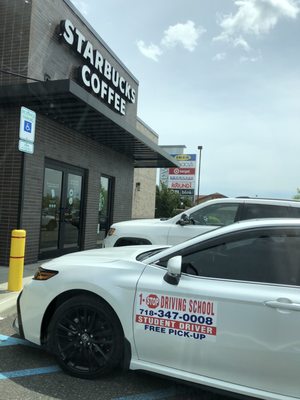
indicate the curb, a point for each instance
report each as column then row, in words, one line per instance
column 9, row 299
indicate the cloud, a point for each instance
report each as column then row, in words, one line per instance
column 257, row 17
column 234, row 41
column 82, row 6
column 241, row 42
column 219, row 57
column 249, row 59
column 185, row 34
column 254, row 18
column 152, row 51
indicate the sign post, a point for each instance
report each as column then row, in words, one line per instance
column 26, row 145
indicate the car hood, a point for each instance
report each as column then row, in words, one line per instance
column 98, row 257
column 137, row 222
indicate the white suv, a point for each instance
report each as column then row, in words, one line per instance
column 197, row 220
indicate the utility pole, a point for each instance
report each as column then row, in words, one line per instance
column 199, row 169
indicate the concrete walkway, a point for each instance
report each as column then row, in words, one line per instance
column 8, row 299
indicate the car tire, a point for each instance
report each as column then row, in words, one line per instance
column 86, row 337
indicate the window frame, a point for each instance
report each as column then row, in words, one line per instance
column 229, row 238
column 248, row 206
column 236, row 218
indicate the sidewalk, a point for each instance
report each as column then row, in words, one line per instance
column 8, row 299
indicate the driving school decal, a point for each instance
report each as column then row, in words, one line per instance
column 187, row 318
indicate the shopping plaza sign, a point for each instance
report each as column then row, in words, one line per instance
column 97, row 74
column 182, row 178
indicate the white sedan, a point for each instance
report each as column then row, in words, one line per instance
column 220, row 310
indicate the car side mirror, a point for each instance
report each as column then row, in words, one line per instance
column 173, row 273
column 184, row 220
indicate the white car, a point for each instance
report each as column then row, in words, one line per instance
column 197, row 220
column 221, row 310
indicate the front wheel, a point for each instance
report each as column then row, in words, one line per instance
column 86, row 337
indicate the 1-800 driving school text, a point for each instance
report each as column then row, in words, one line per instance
column 184, row 317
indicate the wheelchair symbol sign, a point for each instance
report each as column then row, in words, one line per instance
column 27, row 126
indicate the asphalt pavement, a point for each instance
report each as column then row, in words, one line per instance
column 28, row 372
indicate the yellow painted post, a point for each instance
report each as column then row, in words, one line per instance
column 16, row 260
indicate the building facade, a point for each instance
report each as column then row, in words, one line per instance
column 144, row 181
column 76, row 178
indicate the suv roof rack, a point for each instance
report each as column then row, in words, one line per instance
column 265, row 198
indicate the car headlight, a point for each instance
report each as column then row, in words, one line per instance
column 43, row 274
column 111, row 231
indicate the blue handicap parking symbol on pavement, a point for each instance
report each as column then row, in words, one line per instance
column 27, row 126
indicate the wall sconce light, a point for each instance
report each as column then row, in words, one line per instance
column 138, row 186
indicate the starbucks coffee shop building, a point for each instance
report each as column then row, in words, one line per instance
column 79, row 177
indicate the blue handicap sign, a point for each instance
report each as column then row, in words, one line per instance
column 27, row 126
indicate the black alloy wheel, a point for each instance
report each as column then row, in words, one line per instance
column 86, row 337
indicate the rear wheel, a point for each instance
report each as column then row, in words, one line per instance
column 86, row 337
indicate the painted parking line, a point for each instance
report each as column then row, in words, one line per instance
column 155, row 395
column 29, row 372
column 12, row 341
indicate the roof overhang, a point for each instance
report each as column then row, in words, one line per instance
column 71, row 105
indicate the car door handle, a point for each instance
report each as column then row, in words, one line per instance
column 283, row 304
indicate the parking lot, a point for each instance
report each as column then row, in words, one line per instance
column 27, row 372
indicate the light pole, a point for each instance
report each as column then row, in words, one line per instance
column 199, row 168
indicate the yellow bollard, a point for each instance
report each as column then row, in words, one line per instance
column 16, row 260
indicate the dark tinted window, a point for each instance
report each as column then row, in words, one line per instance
column 216, row 214
column 295, row 212
column 259, row 257
column 252, row 211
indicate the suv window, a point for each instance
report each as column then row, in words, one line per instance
column 216, row 214
column 260, row 256
column 252, row 211
column 295, row 212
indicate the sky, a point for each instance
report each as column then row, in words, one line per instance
column 222, row 74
